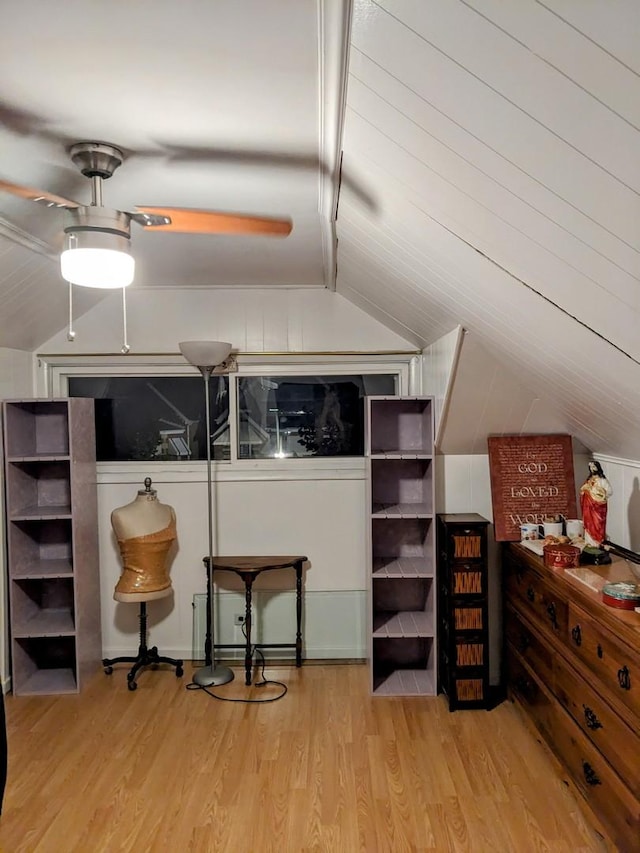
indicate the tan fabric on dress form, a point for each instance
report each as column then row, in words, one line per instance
column 144, row 558
column 145, row 530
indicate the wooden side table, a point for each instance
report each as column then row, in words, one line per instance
column 248, row 569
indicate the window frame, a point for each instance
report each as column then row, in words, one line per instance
column 54, row 371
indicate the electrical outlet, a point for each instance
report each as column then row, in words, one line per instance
column 238, row 619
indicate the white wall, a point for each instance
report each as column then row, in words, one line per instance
column 623, row 508
column 294, row 508
column 253, row 320
column 321, row 518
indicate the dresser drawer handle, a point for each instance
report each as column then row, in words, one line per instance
column 592, row 721
column 599, row 651
column 624, row 679
column 522, row 684
column 530, row 593
column 576, row 635
column 551, row 613
column 590, row 774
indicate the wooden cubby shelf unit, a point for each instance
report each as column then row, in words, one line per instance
column 52, row 543
column 401, row 546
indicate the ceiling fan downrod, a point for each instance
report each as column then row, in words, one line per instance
column 98, row 161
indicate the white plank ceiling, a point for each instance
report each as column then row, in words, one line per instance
column 224, row 105
column 490, row 174
column 499, row 144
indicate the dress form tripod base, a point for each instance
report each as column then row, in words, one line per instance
column 145, row 657
column 212, row 676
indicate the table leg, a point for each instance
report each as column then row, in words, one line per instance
column 248, row 582
column 298, row 614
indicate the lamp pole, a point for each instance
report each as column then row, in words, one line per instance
column 197, row 351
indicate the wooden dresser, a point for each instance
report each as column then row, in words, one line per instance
column 573, row 664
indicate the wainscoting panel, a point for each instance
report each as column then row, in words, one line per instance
column 333, row 623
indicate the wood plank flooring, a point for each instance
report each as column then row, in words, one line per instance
column 327, row 768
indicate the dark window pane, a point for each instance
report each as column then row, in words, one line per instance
column 156, row 417
column 296, row 416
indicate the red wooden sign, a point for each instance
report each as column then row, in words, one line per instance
column 531, row 478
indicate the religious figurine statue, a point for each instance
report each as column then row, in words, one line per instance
column 594, row 494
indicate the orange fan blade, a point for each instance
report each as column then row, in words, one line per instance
column 211, row 222
column 41, row 196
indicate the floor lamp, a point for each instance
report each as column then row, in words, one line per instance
column 206, row 356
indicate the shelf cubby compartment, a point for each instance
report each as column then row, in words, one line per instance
column 44, row 665
column 41, row 549
column 36, row 428
column 403, row 666
column 401, row 488
column 392, row 601
column 402, row 545
column 39, row 490
column 42, row 608
column 401, row 426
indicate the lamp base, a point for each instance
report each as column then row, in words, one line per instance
column 212, row 676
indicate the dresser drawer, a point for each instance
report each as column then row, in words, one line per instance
column 615, row 663
column 537, row 598
column 619, row 744
column 536, row 653
column 603, row 790
column 527, row 690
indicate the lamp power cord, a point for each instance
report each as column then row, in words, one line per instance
column 262, row 683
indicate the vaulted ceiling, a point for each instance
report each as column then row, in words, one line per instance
column 490, row 170
column 498, row 143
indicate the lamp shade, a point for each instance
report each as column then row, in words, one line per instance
column 101, row 268
column 205, row 353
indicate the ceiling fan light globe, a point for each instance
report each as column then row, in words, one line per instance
column 205, row 353
column 100, row 268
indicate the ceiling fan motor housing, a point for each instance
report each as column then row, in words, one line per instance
column 99, row 220
column 96, row 159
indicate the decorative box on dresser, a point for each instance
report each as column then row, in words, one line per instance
column 573, row 665
column 401, row 545
column 463, row 612
column 52, row 543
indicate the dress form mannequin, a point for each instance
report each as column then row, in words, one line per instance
column 145, row 530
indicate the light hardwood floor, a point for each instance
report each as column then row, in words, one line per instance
column 327, row 768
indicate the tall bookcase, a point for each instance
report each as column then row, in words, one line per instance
column 52, row 544
column 402, row 542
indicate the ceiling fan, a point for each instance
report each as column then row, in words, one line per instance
column 97, row 252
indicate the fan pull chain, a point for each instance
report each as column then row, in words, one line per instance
column 71, row 335
column 125, row 345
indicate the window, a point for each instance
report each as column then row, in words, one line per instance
column 147, row 418
column 298, row 416
column 151, row 408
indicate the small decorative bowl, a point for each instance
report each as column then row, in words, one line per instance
column 561, row 556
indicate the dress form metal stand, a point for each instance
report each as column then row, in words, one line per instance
column 145, row 656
